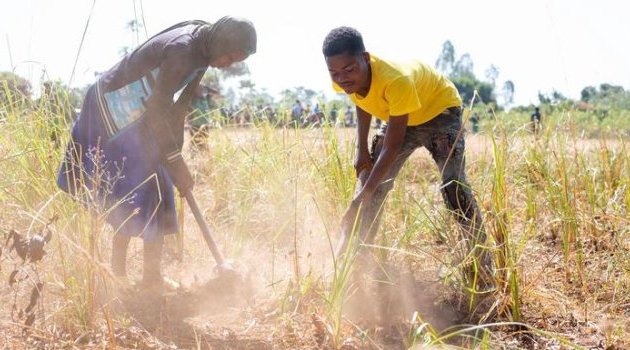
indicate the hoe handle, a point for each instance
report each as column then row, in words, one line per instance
column 205, row 230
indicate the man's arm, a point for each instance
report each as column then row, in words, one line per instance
column 394, row 138
column 363, row 161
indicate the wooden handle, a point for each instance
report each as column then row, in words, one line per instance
column 205, row 229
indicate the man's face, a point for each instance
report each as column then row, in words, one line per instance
column 228, row 59
column 350, row 72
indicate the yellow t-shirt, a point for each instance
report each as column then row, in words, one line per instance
column 414, row 88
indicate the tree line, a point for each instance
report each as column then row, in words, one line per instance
column 490, row 93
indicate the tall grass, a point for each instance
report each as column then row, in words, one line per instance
column 506, row 256
column 556, row 206
column 30, row 197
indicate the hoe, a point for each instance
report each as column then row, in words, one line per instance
column 225, row 270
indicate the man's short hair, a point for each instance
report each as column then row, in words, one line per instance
column 343, row 40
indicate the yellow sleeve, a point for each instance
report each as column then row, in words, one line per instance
column 402, row 97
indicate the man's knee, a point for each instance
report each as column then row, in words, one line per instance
column 458, row 197
column 377, row 145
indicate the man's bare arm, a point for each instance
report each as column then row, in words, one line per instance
column 363, row 161
column 394, row 138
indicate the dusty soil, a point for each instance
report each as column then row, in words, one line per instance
column 268, row 313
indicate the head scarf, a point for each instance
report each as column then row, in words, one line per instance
column 226, row 36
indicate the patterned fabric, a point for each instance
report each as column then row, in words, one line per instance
column 130, row 125
column 114, row 159
column 121, row 175
column 126, row 105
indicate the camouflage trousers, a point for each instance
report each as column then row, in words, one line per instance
column 443, row 137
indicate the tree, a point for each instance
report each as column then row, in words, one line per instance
column 134, row 27
column 557, row 97
column 508, row 92
column 486, row 92
column 543, row 99
column 610, row 90
column 13, row 89
column 217, row 78
column 607, row 96
column 288, row 96
column 492, row 73
column 464, row 67
column 235, row 70
column 461, row 73
column 588, row 93
column 247, row 84
column 230, row 97
column 446, row 61
column 70, row 98
column 467, row 85
column 253, row 96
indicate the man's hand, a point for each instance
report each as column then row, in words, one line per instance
column 363, row 162
column 392, row 143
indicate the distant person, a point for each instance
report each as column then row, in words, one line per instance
column 474, row 121
column 422, row 108
column 349, row 117
column 316, row 117
column 296, row 112
column 126, row 144
column 333, row 115
column 199, row 118
column 536, row 121
column 307, row 109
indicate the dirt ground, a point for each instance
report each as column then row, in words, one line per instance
column 209, row 313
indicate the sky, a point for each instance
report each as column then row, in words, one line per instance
column 540, row 45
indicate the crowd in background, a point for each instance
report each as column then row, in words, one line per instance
column 207, row 111
column 210, row 110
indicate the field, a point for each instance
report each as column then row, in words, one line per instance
column 556, row 207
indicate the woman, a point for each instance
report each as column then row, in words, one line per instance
column 126, row 144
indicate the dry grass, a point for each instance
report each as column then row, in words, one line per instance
column 274, row 198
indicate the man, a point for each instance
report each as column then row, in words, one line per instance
column 333, row 115
column 349, row 121
column 125, row 152
column 421, row 108
column 296, row 113
column 200, row 117
column 474, row 120
column 536, row 120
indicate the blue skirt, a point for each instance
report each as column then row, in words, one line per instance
column 123, row 171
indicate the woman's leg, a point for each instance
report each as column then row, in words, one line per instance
column 120, row 243
column 151, row 273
